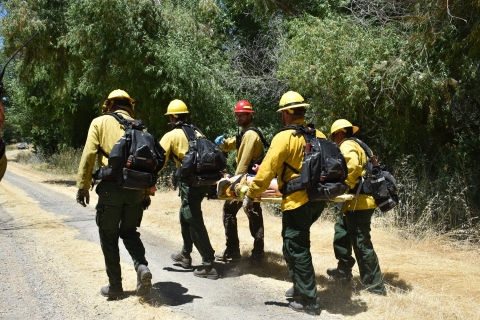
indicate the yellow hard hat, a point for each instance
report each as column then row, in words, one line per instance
column 176, row 107
column 342, row 123
column 290, row 100
column 119, row 94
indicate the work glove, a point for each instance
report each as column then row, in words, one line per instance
column 83, row 197
column 219, row 139
column 146, row 202
column 248, row 206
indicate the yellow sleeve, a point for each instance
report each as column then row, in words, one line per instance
column 87, row 162
column 275, row 158
column 352, row 157
column 229, row 144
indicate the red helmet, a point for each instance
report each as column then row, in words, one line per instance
column 243, row 106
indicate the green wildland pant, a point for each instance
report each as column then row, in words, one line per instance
column 119, row 213
column 296, row 225
column 193, row 228
column 352, row 230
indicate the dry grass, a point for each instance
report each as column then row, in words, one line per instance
column 429, row 279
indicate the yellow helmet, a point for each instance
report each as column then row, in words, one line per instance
column 290, row 100
column 342, row 123
column 176, row 107
column 119, row 94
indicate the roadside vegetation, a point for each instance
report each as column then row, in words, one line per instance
column 411, row 219
column 406, row 72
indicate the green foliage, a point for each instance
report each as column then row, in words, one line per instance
column 405, row 72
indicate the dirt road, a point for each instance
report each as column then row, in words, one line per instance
column 52, row 266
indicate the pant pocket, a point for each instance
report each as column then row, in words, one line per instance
column 100, row 217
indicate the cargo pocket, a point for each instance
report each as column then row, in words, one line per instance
column 101, row 217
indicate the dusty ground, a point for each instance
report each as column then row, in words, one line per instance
column 51, row 266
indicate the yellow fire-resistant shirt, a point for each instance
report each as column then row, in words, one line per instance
column 251, row 148
column 285, row 148
column 175, row 142
column 104, row 132
column 3, row 166
column 356, row 160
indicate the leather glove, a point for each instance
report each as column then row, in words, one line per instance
column 83, row 197
column 219, row 139
column 248, row 206
column 146, row 202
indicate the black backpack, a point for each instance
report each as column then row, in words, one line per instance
column 324, row 168
column 203, row 162
column 136, row 158
column 266, row 145
column 377, row 181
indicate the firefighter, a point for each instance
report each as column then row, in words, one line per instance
column 352, row 228
column 250, row 150
column 119, row 210
column 284, row 160
column 193, row 229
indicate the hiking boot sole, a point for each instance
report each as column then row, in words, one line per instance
column 145, row 284
column 112, row 296
column 228, row 259
column 313, row 312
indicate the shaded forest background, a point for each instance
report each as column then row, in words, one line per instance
column 406, row 72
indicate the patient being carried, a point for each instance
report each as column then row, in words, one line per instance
column 235, row 187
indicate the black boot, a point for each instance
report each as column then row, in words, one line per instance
column 144, row 280
column 340, row 275
column 112, row 291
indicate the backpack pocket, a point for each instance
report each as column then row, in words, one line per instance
column 378, row 183
column 326, row 191
column 138, row 180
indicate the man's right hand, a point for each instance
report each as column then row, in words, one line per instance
column 83, row 197
column 219, row 139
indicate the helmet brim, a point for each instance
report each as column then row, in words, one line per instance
column 172, row 113
column 293, row 107
column 243, row 111
column 354, row 130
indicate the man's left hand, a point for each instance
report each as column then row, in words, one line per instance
column 146, row 202
column 83, row 197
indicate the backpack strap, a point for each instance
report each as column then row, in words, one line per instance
column 189, row 130
column 122, row 121
column 363, row 145
column 307, row 135
column 264, row 141
column 358, row 187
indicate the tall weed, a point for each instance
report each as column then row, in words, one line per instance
column 437, row 205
